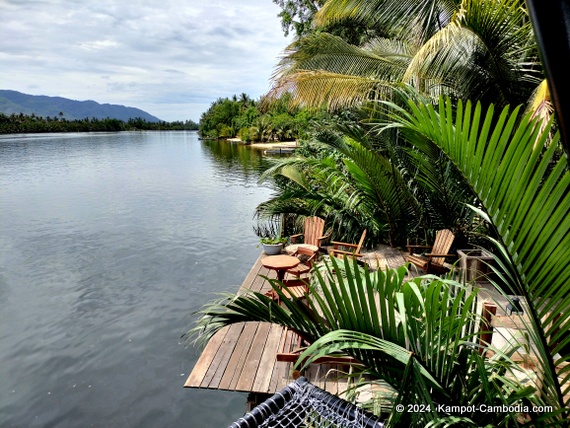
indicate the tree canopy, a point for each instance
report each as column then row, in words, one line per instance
column 253, row 121
column 21, row 123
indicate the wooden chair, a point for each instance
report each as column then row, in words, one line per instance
column 292, row 345
column 307, row 258
column 433, row 262
column 313, row 233
column 341, row 249
column 298, row 287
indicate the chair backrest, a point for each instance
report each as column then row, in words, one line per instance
column 443, row 240
column 362, row 238
column 314, row 229
column 305, row 255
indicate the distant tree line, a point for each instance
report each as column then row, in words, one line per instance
column 253, row 121
column 21, row 123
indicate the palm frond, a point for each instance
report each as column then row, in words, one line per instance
column 392, row 17
column 483, row 54
column 323, row 69
column 321, row 88
column 525, row 192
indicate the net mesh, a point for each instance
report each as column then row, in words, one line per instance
column 302, row 404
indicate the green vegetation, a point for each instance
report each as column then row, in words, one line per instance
column 254, row 121
column 273, row 240
column 354, row 176
column 19, row 124
column 473, row 49
column 420, row 340
column 439, row 116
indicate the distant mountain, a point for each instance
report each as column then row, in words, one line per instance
column 41, row 105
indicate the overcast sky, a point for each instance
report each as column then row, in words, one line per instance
column 171, row 58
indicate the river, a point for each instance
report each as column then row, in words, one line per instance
column 108, row 245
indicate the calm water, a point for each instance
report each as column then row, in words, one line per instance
column 108, row 244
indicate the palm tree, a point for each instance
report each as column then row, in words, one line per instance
column 356, row 187
column 524, row 193
column 471, row 49
column 245, row 101
column 419, row 336
column 362, row 181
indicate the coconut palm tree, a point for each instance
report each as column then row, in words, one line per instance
column 363, row 181
column 471, row 49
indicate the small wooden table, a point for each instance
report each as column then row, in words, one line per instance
column 280, row 263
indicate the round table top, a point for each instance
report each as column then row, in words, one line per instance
column 280, row 262
column 292, row 249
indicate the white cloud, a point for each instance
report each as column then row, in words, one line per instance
column 170, row 58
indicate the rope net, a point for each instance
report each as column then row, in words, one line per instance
column 302, row 404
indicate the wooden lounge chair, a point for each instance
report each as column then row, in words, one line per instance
column 292, row 344
column 341, row 249
column 313, row 233
column 433, row 262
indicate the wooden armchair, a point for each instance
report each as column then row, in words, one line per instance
column 292, row 345
column 307, row 258
column 433, row 262
column 313, row 233
column 341, row 249
column 298, row 287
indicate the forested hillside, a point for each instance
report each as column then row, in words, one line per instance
column 13, row 102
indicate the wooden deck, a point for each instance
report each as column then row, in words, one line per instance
column 242, row 357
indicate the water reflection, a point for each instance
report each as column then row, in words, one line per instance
column 109, row 244
column 231, row 156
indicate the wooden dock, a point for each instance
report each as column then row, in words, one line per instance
column 242, row 357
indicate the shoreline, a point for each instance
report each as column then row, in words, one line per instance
column 280, row 145
column 264, row 146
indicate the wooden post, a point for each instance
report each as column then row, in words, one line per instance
column 486, row 336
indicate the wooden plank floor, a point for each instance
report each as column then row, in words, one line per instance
column 242, row 357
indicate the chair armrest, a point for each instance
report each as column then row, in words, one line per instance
column 441, row 255
column 323, row 238
column 411, row 247
column 343, row 244
column 311, row 259
column 348, row 253
column 294, row 237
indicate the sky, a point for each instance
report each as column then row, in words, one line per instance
column 171, row 58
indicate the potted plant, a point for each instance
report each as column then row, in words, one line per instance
column 273, row 245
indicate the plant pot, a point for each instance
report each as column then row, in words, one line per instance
column 272, row 249
column 474, row 264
